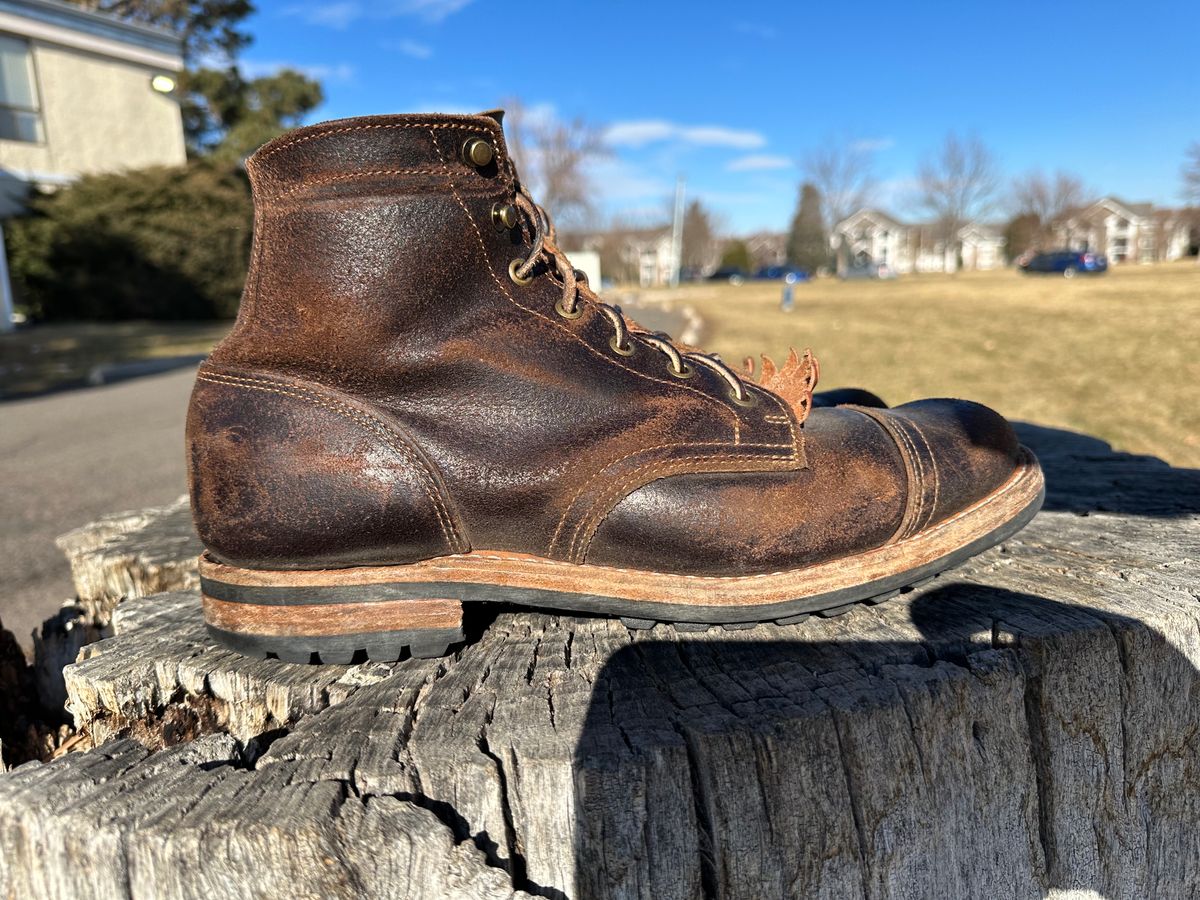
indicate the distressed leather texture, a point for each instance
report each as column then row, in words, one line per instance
column 389, row 394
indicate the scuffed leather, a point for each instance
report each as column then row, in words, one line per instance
column 379, row 278
column 854, row 495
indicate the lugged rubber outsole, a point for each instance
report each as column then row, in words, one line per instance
column 386, row 612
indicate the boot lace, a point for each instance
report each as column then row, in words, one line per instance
column 576, row 289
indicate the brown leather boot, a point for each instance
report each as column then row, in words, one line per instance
column 423, row 406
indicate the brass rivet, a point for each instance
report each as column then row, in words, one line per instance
column 504, row 215
column 477, row 152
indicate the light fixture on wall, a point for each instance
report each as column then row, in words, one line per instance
column 164, row 84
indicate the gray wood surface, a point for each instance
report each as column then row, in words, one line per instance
column 1024, row 726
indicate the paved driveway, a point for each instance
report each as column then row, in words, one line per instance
column 68, row 458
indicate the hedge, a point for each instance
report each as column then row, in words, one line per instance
column 158, row 243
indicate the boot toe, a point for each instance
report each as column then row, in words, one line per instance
column 957, row 452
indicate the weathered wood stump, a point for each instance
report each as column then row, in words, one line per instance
column 1024, row 726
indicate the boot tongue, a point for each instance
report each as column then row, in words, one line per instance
column 496, row 114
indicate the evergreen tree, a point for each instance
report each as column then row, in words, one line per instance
column 807, row 244
column 698, row 239
column 736, row 255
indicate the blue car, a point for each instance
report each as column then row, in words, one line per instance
column 790, row 274
column 1067, row 263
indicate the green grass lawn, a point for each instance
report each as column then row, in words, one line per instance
column 1116, row 356
column 45, row 357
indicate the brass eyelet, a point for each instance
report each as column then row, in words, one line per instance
column 565, row 313
column 751, row 399
column 512, row 272
column 684, row 373
column 477, row 152
column 627, row 350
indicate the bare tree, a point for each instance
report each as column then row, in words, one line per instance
column 551, row 155
column 1191, row 175
column 1047, row 199
column 957, row 184
column 842, row 171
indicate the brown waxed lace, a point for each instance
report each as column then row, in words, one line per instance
column 575, row 286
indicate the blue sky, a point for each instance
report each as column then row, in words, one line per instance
column 732, row 96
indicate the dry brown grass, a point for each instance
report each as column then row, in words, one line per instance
column 1116, row 356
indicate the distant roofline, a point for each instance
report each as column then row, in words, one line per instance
column 58, row 22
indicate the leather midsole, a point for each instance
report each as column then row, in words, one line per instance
column 512, row 576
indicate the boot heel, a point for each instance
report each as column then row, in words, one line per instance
column 335, row 624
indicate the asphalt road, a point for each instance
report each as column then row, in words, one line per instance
column 69, row 458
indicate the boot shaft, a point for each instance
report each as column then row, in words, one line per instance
column 361, row 262
column 383, row 286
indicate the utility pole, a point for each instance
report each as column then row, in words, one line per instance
column 677, row 234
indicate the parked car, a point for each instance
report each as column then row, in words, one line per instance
column 1067, row 263
column 790, row 274
column 868, row 270
column 730, row 274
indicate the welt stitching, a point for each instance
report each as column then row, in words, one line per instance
column 562, row 520
column 346, row 411
column 504, row 291
column 351, row 128
column 460, row 563
column 616, row 491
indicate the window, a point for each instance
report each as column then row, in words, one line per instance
column 19, row 116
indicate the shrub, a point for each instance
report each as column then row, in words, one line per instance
column 158, row 243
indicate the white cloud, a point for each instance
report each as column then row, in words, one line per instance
column 410, row 48
column 754, row 29
column 639, row 132
column 429, row 10
column 615, row 179
column 255, row 68
column 759, row 162
column 873, row 145
column 343, row 13
column 329, row 15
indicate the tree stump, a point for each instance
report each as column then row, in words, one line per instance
column 1024, row 726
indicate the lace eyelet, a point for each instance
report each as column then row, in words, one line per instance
column 683, row 374
column 565, row 313
column 627, row 350
column 512, row 272
column 751, row 399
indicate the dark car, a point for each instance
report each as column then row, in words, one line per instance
column 790, row 274
column 1067, row 263
column 731, row 274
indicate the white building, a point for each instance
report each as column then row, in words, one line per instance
column 1128, row 232
column 872, row 237
column 80, row 93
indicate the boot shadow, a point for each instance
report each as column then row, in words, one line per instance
column 701, row 721
column 1084, row 474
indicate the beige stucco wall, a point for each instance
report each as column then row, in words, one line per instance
column 98, row 115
